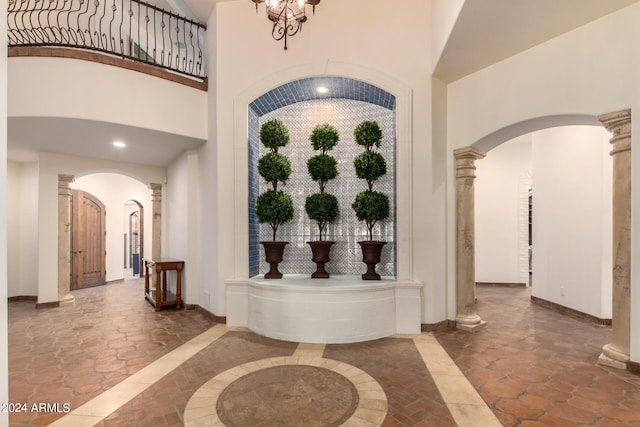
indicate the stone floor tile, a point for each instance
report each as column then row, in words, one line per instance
column 532, row 366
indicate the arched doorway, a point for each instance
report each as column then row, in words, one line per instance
column 133, row 239
column 113, row 188
column 619, row 123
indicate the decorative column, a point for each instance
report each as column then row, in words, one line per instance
column 616, row 353
column 64, row 239
column 467, row 318
column 156, row 226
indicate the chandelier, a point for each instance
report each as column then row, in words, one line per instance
column 287, row 16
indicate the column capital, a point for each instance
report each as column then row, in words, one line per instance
column 618, row 123
column 465, row 161
column 65, row 180
column 156, row 192
column 468, row 153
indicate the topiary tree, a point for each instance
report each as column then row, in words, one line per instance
column 274, row 206
column 322, row 207
column 370, row 206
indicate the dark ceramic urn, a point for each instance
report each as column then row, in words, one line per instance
column 371, row 251
column 273, row 254
column 321, row 250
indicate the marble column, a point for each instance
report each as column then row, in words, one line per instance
column 467, row 318
column 64, row 239
column 616, row 353
column 156, row 225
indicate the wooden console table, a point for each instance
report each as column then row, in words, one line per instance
column 159, row 296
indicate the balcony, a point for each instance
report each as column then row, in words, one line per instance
column 131, row 34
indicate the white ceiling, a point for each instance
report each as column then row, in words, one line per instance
column 88, row 138
column 488, row 31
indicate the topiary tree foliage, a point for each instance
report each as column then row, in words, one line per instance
column 322, row 207
column 370, row 206
column 273, row 206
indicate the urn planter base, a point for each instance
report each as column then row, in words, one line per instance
column 371, row 251
column 273, row 255
column 321, row 250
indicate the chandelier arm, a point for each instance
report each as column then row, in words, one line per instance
column 287, row 16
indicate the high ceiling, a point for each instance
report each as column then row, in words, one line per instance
column 488, row 31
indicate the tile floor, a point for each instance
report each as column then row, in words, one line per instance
column 116, row 362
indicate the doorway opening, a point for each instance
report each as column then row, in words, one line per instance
column 569, row 246
column 133, row 239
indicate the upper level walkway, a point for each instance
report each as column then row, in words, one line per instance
column 131, row 34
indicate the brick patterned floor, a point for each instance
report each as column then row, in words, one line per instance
column 395, row 363
column 533, row 367
column 73, row 353
column 536, row 367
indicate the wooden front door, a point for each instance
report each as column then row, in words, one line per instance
column 88, row 235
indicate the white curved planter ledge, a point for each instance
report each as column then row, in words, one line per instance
column 341, row 309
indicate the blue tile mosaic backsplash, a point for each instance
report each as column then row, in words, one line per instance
column 305, row 90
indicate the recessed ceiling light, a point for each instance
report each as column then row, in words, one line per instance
column 119, row 144
column 322, row 89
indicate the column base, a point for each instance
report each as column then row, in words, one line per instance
column 67, row 300
column 470, row 323
column 613, row 357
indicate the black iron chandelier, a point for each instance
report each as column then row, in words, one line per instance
column 287, row 16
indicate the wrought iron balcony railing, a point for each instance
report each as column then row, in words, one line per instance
column 129, row 29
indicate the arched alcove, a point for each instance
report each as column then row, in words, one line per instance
column 301, row 107
column 336, row 309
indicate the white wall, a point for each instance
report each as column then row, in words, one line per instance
column 114, row 191
column 22, row 237
column 588, row 71
column 13, row 228
column 248, row 62
column 4, row 379
column 572, row 181
column 126, row 97
column 503, row 178
column 182, row 207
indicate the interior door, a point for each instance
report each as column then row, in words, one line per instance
column 88, row 234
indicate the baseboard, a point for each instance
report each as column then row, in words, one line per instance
column 633, row 367
column 52, row 304
column 502, row 284
column 570, row 311
column 23, row 298
column 431, row 327
column 206, row 313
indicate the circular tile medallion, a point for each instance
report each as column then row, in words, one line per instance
column 286, row 396
column 357, row 400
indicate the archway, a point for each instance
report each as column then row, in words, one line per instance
column 619, row 123
column 114, row 190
